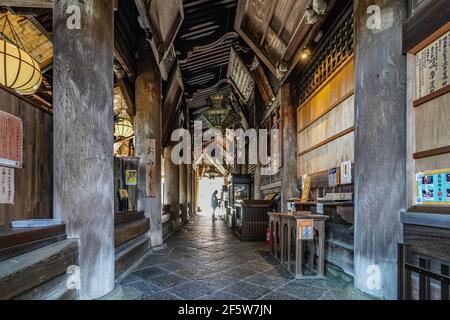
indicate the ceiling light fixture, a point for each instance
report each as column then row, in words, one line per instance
column 18, row 70
column 306, row 53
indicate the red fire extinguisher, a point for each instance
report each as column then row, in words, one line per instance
column 268, row 236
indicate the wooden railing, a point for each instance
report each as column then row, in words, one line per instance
column 423, row 275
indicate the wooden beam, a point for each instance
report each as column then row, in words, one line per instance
column 46, row 4
column 431, row 153
column 423, row 23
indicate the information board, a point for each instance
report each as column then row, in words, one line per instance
column 433, row 187
column 11, row 140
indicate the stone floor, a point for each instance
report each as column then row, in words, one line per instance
column 207, row 262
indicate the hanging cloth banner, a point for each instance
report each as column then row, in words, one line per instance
column 11, row 140
column 6, row 185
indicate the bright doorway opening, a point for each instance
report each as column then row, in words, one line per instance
column 206, row 188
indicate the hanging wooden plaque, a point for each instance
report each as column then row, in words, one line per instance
column 150, row 168
column 432, row 65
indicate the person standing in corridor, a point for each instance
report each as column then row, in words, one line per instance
column 214, row 204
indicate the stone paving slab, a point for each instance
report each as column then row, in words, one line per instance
column 205, row 262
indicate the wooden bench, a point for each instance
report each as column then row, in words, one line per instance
column 14, row 242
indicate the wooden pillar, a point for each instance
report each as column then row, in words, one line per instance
column 148, row 127
column 189, row 190
column 380, row 146
column 83, row 138
column 289, row 136
column 172, row 184
column 257, row 193
column 196, row 189
column 183, row 187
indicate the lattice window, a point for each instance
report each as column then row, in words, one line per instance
column 338, row 48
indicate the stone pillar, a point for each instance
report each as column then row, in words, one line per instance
column 172, row 184
column 289, row 175
column 83, row 192
column 380, row 146
column 148, row 126
column 183, row 187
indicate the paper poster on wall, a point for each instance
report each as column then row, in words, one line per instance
column 11, row 140
column 432, row 67
column 333, row 177
column 6, row 185
column 150, row 168
column 433, row 187
column 305, row 229
column 131, row 177
column 346, row 172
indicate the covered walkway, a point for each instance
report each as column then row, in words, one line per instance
column 208, row 262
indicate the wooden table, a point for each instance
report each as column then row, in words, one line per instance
column 290, row 250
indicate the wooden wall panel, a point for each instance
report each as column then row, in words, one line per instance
column 433, row 163
column 432, row 121
column 331, row 124
column 327, row 156
column 338, row 88
column 33, row 183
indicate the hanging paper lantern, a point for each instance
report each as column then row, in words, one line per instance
column 123, row 129
column 18, row 70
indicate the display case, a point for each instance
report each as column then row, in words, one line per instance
column 240, row 189
column 125, row 184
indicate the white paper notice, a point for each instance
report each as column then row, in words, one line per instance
column 6, row 185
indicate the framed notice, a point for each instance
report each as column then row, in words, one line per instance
column 6, row 185
column 433, row 187
column 150, row 168
column 11, row 140
column 305, row 229
column 131, row 177
column 432, row 67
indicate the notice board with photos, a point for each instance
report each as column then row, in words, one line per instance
column 434, row 187
column 11, row 140
column 428, row 119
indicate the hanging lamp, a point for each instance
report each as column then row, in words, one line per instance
column 123, row 129
column 18, row 70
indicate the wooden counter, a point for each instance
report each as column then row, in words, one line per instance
column 289, row 249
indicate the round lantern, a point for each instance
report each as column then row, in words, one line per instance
column 18, row 70
column 123, row 129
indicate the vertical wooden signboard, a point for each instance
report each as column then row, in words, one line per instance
column 150, row 168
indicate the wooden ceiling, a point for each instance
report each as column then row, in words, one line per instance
column 203, row 46
column 277, row 30
column 205, row 39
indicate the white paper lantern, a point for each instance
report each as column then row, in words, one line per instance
column 18, row 70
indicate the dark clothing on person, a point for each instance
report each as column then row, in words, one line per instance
column 214, row 201
column 214, row 204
